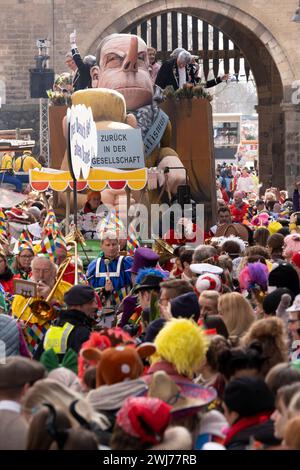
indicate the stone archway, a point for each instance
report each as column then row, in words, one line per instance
column 270, row 67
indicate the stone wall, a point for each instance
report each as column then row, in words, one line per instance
column 22, row 22
column 22, row 116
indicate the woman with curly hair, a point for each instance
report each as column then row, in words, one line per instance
column 271, row 334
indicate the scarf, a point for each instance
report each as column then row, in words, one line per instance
column 145, row 117
column 87, row 209
column 245, row 423
column 112, row 397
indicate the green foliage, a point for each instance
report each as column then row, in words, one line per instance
column 188, row 91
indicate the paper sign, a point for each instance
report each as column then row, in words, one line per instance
column 83, row 139
column 120, row 148
column 25, row 288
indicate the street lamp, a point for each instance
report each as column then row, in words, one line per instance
column 296, row 16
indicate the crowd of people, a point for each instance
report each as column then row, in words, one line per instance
column 199, row 351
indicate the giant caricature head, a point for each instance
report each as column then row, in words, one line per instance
column 123, row 65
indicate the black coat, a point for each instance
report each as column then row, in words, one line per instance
column 168, row 76
column 82, row 78
column 80, row 333
column 263, row 433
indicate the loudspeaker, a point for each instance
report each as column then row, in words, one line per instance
column 40, row 82
column 183, row 194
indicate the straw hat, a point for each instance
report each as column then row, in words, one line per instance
column 184, row 397
column 238, row 230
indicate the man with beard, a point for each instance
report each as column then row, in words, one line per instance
column 74, row 325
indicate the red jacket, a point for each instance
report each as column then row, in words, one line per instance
column 8, row 286
column 239, row 213
column 69, row 275
column 172, row 237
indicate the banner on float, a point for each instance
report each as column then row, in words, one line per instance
column 83, row 140
column 119, row 148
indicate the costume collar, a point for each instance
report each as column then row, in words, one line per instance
column 116, row 273
column 9, row 405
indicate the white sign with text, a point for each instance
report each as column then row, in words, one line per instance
column 120, row 148
column 83, row 140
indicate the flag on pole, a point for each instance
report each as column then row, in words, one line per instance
column 3, row 226
column 112, row 223
column 48, row 246
column 133, row 240
column 60, row 241
column 25, row 237
column 50, row 222
column 25, row 241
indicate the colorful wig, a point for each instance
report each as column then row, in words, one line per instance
column 182, row 343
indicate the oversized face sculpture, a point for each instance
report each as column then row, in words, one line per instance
column 124, row 66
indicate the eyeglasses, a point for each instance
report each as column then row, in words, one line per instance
column 26, row 256
column 293, row 321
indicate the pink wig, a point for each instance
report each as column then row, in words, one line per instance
column 261, row 220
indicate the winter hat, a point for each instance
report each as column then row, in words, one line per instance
column 248, row 396
column 115, row 365
column 272, row 300
column 144, row 418
column 79, row 295
column 284, row 275
column 185, row 306
column 143, row 258
column 153, row 329
column 208, row 282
